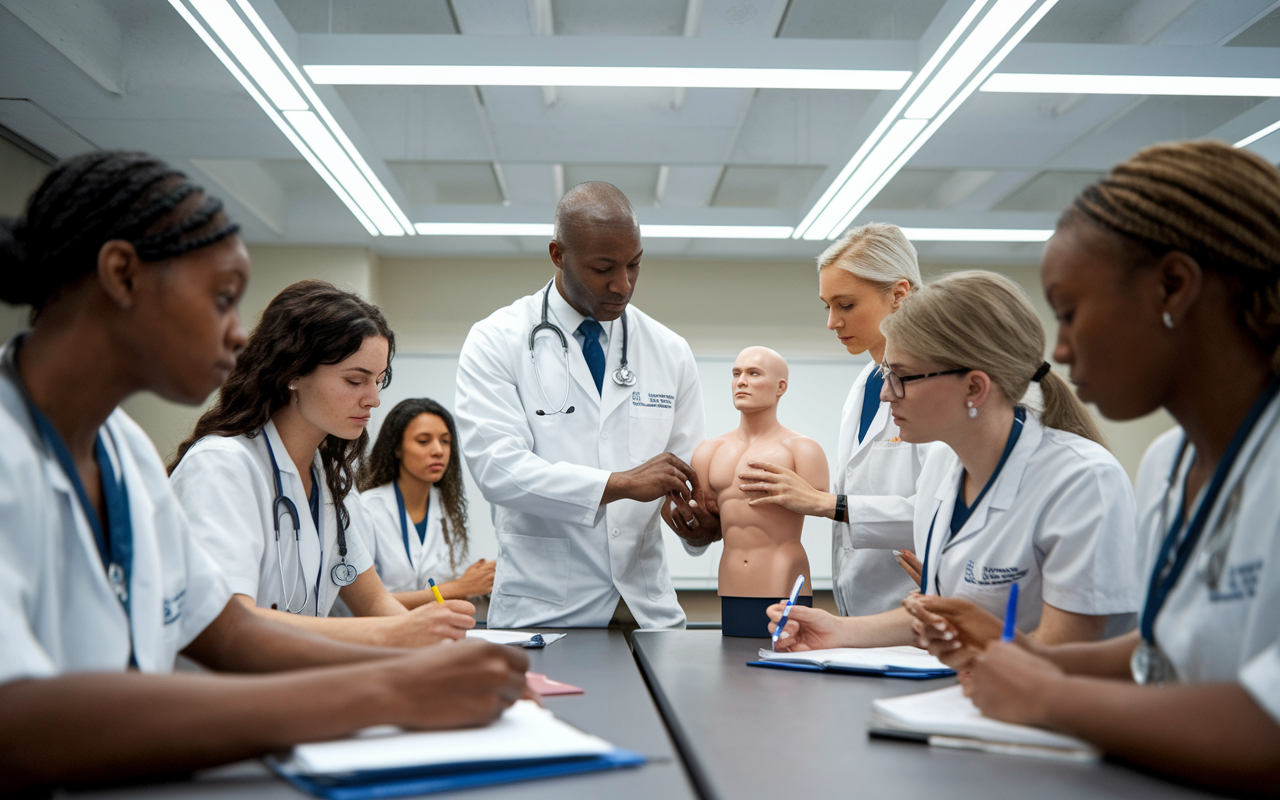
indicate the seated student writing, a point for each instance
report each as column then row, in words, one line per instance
column 134, row 275
column 411, row 486
column 1165, row 279
column 266, row 476
column 1017, row 495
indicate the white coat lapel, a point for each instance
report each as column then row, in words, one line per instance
column 855, row 415
column 578, row 368
column 613, row 394
column 146, row 590
column 1005, row 491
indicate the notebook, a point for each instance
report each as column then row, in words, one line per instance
column 945, row 717
column 519, row 638
column 526, row 742
column 890, row 662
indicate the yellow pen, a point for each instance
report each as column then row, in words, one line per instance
column 436, row 591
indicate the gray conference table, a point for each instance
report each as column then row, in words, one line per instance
column 752, row 732
column 616, row 706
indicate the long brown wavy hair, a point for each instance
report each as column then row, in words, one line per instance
column 308, row 324
column 382, row 466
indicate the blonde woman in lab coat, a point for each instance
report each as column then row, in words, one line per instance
column 862, row 279
column 1165, row 279
column 1017, row 496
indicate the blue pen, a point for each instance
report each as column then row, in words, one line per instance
column 786, row 612
column 1011, row 614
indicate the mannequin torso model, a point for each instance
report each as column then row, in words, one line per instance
column 762, row 550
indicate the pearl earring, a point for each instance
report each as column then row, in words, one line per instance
column 1168, row 320
column 293, row 387
column 973, row 412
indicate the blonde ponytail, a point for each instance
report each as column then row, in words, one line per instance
column 984, row 321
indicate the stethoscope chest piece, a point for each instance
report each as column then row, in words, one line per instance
column 624, row 377
column 343, row 574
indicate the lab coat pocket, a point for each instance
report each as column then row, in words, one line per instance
column 531, row 566
column 892, row 469
column 650, row 430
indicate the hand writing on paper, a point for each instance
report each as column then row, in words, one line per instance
column 807, row 628
column 953, row 630
column 1009, row 683
column 457, row 685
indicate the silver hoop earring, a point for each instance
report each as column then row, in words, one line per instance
column 1168, row 320
column 973, row 412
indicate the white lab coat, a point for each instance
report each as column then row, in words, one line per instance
column 878, row 475
column 58, row 613
column 1059, row 520
column 430, row 558
column 1227, row 632
column 228, row 489
column 563, row 558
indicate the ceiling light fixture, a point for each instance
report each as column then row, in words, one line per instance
column 977, row 234
column 1253, row 137
column 969, row 60
column 659, row 77
column 651, row 231
column 307, row 124
column 1186, row 85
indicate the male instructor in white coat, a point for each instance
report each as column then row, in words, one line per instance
column 574, row 441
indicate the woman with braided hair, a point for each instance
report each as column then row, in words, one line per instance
column 1018, row 495
column 1165, row 279
column 133, row 275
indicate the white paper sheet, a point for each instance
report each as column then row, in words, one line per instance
column 526, row 730
column 512, row 637
column 861, row 658
column 947, row 712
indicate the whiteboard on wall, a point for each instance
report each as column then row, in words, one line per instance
column 811, row 406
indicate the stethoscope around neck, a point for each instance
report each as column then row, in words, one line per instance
column 342, row 573
column 621, row 376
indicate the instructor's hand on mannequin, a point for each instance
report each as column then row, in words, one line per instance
column 770, row 484
column 460, row 685
column 661, row 475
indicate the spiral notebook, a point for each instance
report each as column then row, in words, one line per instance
column 526, row 743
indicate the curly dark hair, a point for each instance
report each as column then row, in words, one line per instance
column 308, row 324
column 382, row 466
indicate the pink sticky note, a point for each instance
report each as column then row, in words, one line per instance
column 543, row 685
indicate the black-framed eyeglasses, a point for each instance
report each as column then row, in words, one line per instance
column 897, row 384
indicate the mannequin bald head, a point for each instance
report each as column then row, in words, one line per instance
column 596, row 249
column 759, row 379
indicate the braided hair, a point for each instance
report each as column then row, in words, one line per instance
column 1216, row 203
column 87, row 201
column 308, row 324
column 382, row 466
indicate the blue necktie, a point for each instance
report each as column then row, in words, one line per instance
column 591, row 350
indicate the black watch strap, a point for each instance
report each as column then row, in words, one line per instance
column 842, row 507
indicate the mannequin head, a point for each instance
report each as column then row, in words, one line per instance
column 596, row 249
column 759, row 380
column 1176, row 250
column 863, row 278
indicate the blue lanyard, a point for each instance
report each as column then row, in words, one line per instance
column 115, row 540
column 404, row 526
column 1175, row 552
column 1019, row 417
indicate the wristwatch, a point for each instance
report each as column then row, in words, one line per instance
column 842, row 506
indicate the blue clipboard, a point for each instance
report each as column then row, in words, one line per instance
column 419, row 781
column 893, row 672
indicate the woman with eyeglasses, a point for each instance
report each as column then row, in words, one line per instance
column 862, row 279
column 1018, row 496
column 1165, row 279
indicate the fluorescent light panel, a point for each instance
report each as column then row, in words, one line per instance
column 323, row 111
column 936, row 100
column 1187, row 85
column 345, row 172
column 661, row 77
column 977, row 234
column 651, row 231
column 1267, row 131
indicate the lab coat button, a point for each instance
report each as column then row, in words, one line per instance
column 604, row 434
column 614, row 533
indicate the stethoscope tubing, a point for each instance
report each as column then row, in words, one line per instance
column 623, row 376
